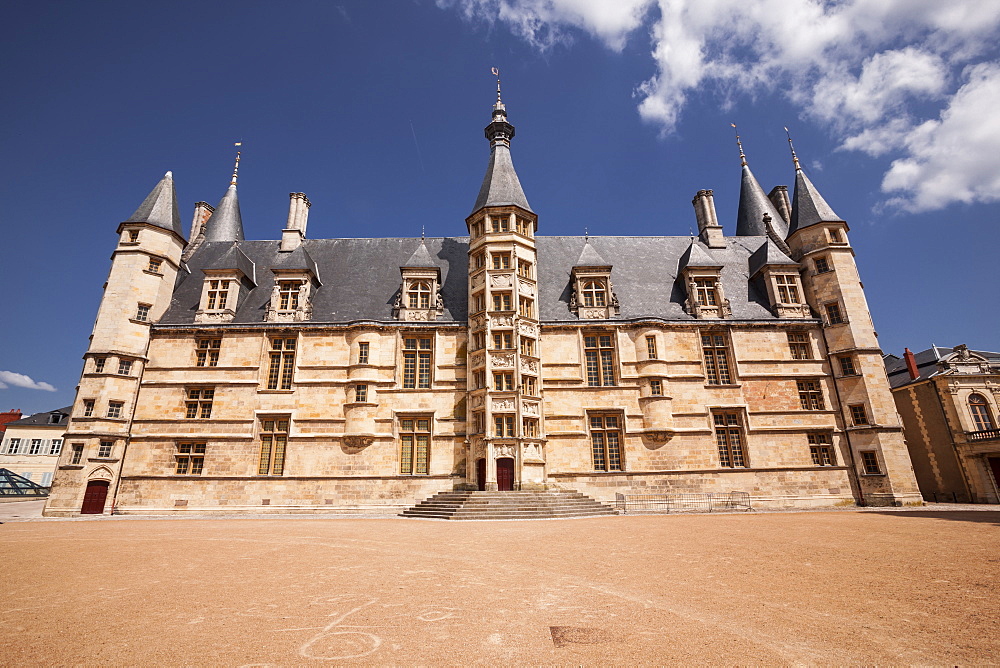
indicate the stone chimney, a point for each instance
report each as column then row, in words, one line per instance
column 911, row 364
column 298, row 218
column 779, row 198
column 202, row 212
column 709, row 229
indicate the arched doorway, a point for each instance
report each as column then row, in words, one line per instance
column 94, row 497
column 505, row 474
column 481, row 473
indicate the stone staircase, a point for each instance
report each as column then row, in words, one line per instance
column 522, row 505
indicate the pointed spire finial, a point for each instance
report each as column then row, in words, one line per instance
column 496, row 73
column 586, row 233
column 421, row 232
column 795, row 158
column 236, row 168
column 743, row 158
column 169, row 175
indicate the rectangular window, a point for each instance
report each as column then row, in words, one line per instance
column 527, row 346
column 529, row 427
column 501, row 260
column 788, row 288
column 705, row 292
column 835, row 237
column 715, row 348
column 416, row 362
column 847, row 367
column 656, row 388
column 13, row 446
column 190, row 458
column 199, row 402
column 729, row 437
column 46, row 479
column 273, row 441
column 651, row 348
column 288, row 295
column 207, row 352
column 104, row 451
column 154, row 265
column 77, row 454
column 503, row 426
column 503, row 341
column 36, row 446
column 414, row 446
column 820, row 450
column 502, row 301
column 605, row 442
column 479, row 379
column 99, row 364
column 822, row 265
column 526, row 308
column 478, row 423
column 479, row 260
column 124, row 367
column 833, row 314
column 142, row 312
column 798, row 344
column 810, row 395
column 859, row 415
column 524, row 269
column 218, row 295
column 361, row 393
column 529, row 386
column 56, row 446
column 503, row 382
column 133, row 236
column 88, row 408
column 599, row 353
column 282, row 357
column 524, row 226
column 501, row 224
column 869, row 460
column 115, row 409
column 363, row 352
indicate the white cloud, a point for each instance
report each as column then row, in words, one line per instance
column 953, row 158
column 871, row 72
column 8, row 378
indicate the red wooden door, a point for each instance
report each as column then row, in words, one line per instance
column 94, row 497
column 505, row 474
column 481, row 474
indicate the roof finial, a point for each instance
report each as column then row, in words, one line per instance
column 743, row 158
column 236, row 168
column 586, row 233
column 496, row 73
column 421, row 232
column 795, row 158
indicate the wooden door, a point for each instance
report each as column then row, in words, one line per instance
column 481, row 474
column 94, row 497
column 505, row 474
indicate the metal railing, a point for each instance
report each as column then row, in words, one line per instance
column 667, row 503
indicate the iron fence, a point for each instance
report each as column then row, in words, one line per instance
column 667, row 503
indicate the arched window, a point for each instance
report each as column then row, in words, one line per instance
column 420, row 295
column 980, row 412
column 593, row 294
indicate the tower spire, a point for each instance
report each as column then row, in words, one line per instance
column 743, row 157
column 501, row 186
column 795, row 158
column 236, row 168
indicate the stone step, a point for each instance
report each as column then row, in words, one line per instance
column 469, row 505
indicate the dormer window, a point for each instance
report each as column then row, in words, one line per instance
column 218, row 295
column 788, row 288
column 594, row 294
column 705, row 292
column 288, row 295
column 500, row 223
column 419, row 295
column 706, row 297
column 290, row 300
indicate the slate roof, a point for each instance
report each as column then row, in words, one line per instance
column 234, row 258
column 421, row 257
column 808, row 206
column 590, row 257
column 501, row 187
column 753, row 205
column 697, row 256
column 226, row 223
column 768, row 253
column 42, row 419
column 361, row 277
column 296, row 260
column 927, row 364
column 160, row 207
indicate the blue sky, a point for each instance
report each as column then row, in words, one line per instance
column 376, row 109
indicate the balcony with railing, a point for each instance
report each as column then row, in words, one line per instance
column 983, row 435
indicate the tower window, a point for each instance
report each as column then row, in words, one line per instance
column 115, row 409
column 502, row 301
column 847, row 367
column 361, row 393
column 503, row 426
column 501, row 260
column 363, row 352
column 599, row 353
column 99, row 364
column 526, row 308
column 142, row 312
column 524, row 269
column 605, row 442
column 124, row 367
column 835, row 236
column 529, row 385
column 154, row 265
column 651, row 347
column 656, row 388
column 859, row 415
column 527, row 346
column 869, row 461
column 133, row 236
column 503, row 340
column 88, row 408
column 822, row 265
column 503, row 382
column 105, row 449
column 820, row 450
column 501, row 223
column 833, row 314
column 419, row 295
column 529, row 427
column 77, row 456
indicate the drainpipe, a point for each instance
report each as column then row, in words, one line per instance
column 853, row 477
column 131, row 421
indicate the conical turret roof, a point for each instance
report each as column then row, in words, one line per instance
column 808, row 206
column 753, row 205
column 160, row 207
column 226, row 224
column 501, row 187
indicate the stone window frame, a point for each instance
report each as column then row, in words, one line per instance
column 834, row 314
column 594, row 293
column 272, row 433
column 199, row 402
column 418, row 294
column 124, row 367
column 651, row 353
column 364, row 352
column 207, row 350
column 189, row 458
column 115, row 410
column 848, row 366
column 417, row 360
column 655, row 387
column 361, row 393
column 821, row 449
column 606, row 435
column 870, row 464
column 415, row 435
column 281, row 356
column 810, row 395
column 529, row 386
column 503, row 381
column 859, row 415
column 76, row 456
column 600, row 361
column 982, row 419
column 142, row 312
column 713, row 352
column 504, row 425
column 99, row 364
column 88, row 407
column 105, row 449
column 787, row 288
column 154, row 266
column 821, row 265
column 798, row 342
column 729, row 427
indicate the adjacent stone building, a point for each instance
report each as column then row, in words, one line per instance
column 31, row 445
column 948, row 400
column 306, row 374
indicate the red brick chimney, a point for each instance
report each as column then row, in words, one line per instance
column 911, row 364
column 9, row 416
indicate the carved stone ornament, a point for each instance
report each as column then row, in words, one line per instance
column 478, row 321
column 530, row 366
column 590, row 313
column 660, row 436
column 503, row 362
column 532, row 451
column 225, row 315
column 530, row 408
column 477, row 400
column 358, row 441
column 477, row 280
column 526, row 286
column 477, row 358
column 501, row 280
column 502, row 405
column 423, row 314
column 527, row 328
column 502, row 321
column 504, row 450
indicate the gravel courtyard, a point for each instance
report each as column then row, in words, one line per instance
column 841, row 587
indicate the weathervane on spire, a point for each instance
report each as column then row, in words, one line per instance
column 795, row 158
column 496, row 73
column 236, row 168
column 743, row 158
